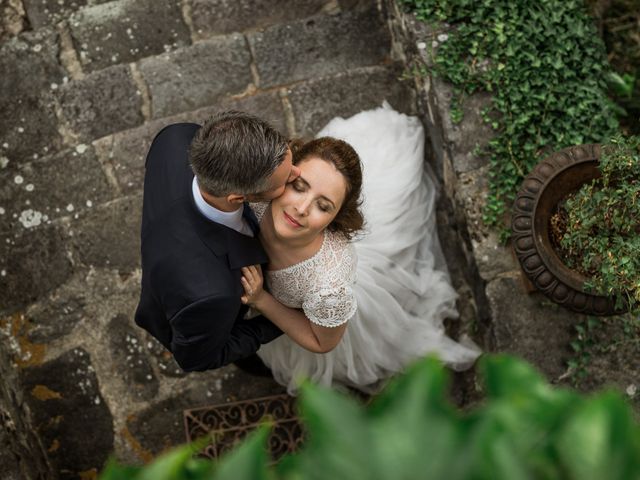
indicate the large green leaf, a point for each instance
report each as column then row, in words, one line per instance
column 338, row 441
column 248, row 461
column 177, row 464
column 114, row 471
column 414, row 428
column 600, row 441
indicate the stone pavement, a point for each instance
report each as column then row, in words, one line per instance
column 85, row 86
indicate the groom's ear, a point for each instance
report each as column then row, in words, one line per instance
column 235, row 198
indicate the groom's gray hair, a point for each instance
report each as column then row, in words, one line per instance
column 235, row 152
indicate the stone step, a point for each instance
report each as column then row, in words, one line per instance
column 197, row 76
column 52, row 187
column 219, row 17
column 125, row 151
column 47, row 13
column 319, row 46
column 34, row 262
column 309, row 106
column 124, row 31
column 317, row 101
column 30, row 75
column 55, row 111
column 70, row 284
column 87, row 198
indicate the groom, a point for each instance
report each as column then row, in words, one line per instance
column 198, row 232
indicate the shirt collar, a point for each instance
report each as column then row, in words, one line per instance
column 232, row 220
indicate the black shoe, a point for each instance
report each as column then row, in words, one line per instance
column 253, row 365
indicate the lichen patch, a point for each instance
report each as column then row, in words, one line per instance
column 42, row 392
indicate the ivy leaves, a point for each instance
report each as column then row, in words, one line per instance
column 603, row 234
column 546, row 68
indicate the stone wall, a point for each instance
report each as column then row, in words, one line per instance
column 508, row 316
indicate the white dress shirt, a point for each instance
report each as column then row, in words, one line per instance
column 233, row 220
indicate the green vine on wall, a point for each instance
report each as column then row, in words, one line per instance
column 546, row 68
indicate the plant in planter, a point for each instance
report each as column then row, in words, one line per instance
column 602, row 234
column 575, row 223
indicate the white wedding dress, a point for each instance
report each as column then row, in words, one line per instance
column 390, row 283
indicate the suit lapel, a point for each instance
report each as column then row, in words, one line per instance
column 241, row 250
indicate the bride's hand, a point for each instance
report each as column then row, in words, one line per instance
column 253, row 285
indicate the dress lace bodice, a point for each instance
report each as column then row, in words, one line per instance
column 322, row 284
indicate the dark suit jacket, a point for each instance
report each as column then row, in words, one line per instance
column 190, row 299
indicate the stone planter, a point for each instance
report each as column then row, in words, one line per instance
column 550, row 181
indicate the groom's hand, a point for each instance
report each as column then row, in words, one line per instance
column 253, row 285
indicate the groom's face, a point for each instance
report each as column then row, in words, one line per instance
column 285, row 172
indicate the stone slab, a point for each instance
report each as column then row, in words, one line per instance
column 197, row 76
column 29, row 63
column 162, row 357
column 316, row 102
column 218, row 17
column 474, row 319
column 101, row 103
column 30, row 72
column 130, row 360
column 531, row 327
column 55, row 316
column 466, row 138
column 460, row 138
column 124, row 31
column 12, row 19
column 64, row 397
column 108, row 236
column 28, row 128
column 160, row 426
column 319, row 46
column 42, row 13
column 51, row 187
column 615, row 364
column 490, row 255
column 32, row 263
column 126, row 151
column 87, row 301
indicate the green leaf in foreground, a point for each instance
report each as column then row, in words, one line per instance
column 248, row 461
column 524, row 430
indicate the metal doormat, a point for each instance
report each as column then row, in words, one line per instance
column 228, row 424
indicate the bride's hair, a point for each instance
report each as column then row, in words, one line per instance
column 339, row 153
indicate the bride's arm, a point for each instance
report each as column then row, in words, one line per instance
column 291, row 321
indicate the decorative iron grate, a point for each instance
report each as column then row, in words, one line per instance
column 228, row 423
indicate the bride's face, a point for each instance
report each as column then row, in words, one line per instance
column 310, row 202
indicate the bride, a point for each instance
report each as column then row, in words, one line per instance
column 356, row 305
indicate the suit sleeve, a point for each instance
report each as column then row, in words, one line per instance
column 203, row 340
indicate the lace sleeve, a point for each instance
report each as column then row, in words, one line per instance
column 332, row 302
column 330, row 307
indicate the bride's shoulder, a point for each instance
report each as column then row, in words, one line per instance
column 339, row 250
column 337, row 241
